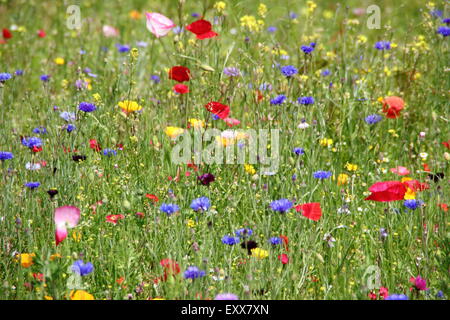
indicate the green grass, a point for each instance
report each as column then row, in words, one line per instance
column 133, row 248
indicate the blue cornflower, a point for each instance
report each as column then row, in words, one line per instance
column 40, row 130
column 195, row 15
column 289, row 71
column 373, row 118
column 299, row 151
column 412, row 204
column 142, row 44
column 32, row 185
column 155, row 78
column 307, row 49
column 278, row 100
column 215, row 117
column 281, row 205
column 436, row 13
column 271, row 29
column 446, row 21
column 45, row 77
column 109, row 152
column 292, row 15
column 440, row 294
column 18, row 72
column 230, row 240
column 325, row 73
column 445, row 31
column 68, row 116
column 122, row 48
column 82, row 268
column 383, row 45
column 200, row 204
column 244, row 232
column 306, row 100
column 5, row 155
column 169, row 208
column 87, row 107
column 395, row 296
column 275, row 240
column 70, row 128
column 32, row 142
column 193, row 273
column 5, row 76
column 322, row 174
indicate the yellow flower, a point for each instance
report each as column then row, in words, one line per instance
column 97, row 97
column 361, row 39
column 342, row 179
column 249, row 169
column 173, row 132
column 311, row 6
column 76, row 236
column 351, row 167
column 409, row 194
column 59, row 61
column 191, row 223
column 134, row 14
column 48, row 298
column 129, row 106
column 26, row 259
column 81, row 295
column 327, row 14
column 251, row 23
column 196, row 123
column 262, row 10
column 220, row 6
column 134, row 53
column 326, row 142
column 260, row 253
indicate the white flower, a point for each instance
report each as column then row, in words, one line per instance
column 33, row 166
column 303, row 125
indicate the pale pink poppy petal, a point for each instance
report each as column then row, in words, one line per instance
column 401, row 171
column 158, row 24
column 67, row 216
column 231, row 122
column 110, row 32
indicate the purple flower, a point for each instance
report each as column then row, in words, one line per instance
column 232, row 72
column 445, row 31
column 412, row 204
column 4, row 155
column 5, row 76
column 244, row 232
column 226, row 296
column 305, row 100
column 281, row 205
column 45, row 77
column 419, row 283
column 155, row 78
column 206, row 178
column 40, row 130
column 169, row 208
column 373, row 118
column 32, row 142
column 109, row 152
column 275, row 240
column 68, row 116
column 395, row 296
column 278, row 100
column 32, row 185
column 82, row 268
column 271, row 29
column 122, row 48
column 193, row 273
column 307, row 49
column 383, row 45
column 70, row 128
column 299, row 151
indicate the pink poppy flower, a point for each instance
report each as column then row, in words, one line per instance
column 231, row 122
column 401, row 171
column 158, row 24
column 65, row 217
column 110, row 32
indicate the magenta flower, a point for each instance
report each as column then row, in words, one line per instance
column 65, row 217
column 418, row 283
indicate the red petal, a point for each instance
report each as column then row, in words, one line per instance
column 310, row 210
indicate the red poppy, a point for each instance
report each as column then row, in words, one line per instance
column 426, row 167
column 171, row 267
column 372, row 295
column 181, row 88
column 283, row 258
column 415, row 185
column 443, row 206
column 152, row 197
column 7, row 34
column 392, row 106
column 192, row 166
column 446, row 144
column 310, row 210
column 220, row 110
column 93, row 144
column 41, row 33
column 38, row 276
column 179, row 73
column 113, row 218
column 202, row 29
column 36, row 149
column 285, row 242
column 387, row 191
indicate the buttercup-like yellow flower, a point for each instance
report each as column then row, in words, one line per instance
column 260, row 253
column 326, row 142
column 26, row 259
column 351, row 167
column 249, row 169
column 196, row 123
column 173, row 132
column 220, row 6
column 81, row 295
column 59, row 61
column 129, row 106
column 262, row 10
column 342, row 179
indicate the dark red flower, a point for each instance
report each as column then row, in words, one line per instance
column 206, row 178
column 202, row 29
column 221, row 110
column 392, row 106
column 310, row 210
column 181, row 88
column 387, row 191
column 179, row 73
column 7, row 34
column 446, row 144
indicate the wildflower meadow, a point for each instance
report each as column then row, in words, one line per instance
column 224, row 150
